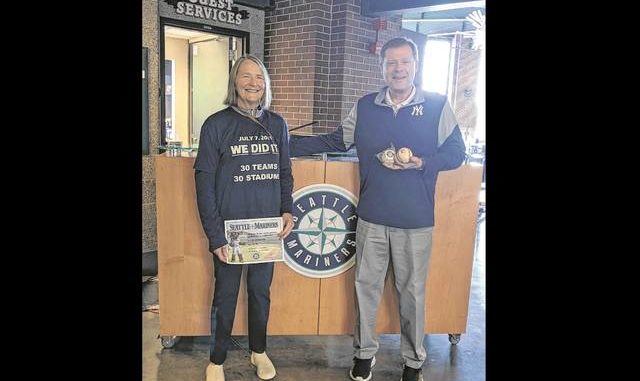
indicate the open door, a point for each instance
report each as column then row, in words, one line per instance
column 195, row 77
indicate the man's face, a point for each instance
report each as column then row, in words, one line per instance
column 250, row 84
column 399, row 68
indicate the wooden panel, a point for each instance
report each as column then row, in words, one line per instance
column 294, row 298
column 170, row 256
column 294, row 303
column 449, row 276
column 451, row 263
column 337, row 311
column 198, row 265
column 307, row 172
column 345, row 175
column 184, row 264
column 449, row 269
column 301, row 305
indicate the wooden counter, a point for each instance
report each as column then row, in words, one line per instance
column 302, row 305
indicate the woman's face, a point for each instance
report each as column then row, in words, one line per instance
column 250, row 85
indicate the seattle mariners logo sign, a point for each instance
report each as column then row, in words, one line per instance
column 323, row 241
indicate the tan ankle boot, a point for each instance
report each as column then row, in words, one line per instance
column 264, row 367
column 215, row 372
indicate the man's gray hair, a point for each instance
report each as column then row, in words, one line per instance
column 232, row 94
column 396, row 43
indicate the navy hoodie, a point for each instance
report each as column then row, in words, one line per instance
column 242, row 170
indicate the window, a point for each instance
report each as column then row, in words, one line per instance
column 435, row 67
column 145, row 101
column 169, row 100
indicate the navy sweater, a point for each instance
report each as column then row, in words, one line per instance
column 396, row 198
column 241, row 171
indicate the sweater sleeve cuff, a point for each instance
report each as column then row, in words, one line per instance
column 216, row 243
column 285, row 209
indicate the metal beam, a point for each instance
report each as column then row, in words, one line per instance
column 260, row 4
column 376, row 8
column 431, row 20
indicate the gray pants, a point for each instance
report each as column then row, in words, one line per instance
column 409, row 251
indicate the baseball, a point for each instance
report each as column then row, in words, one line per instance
column 404, row 154
column 388, row 155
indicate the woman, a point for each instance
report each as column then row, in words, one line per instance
column 242, row 171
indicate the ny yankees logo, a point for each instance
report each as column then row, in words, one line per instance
column 417, row 110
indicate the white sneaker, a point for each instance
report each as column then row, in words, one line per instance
column 264, row 367
column 215, row 372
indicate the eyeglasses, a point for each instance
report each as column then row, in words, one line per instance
column 402, row 62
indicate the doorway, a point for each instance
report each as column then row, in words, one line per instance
column 195, row 74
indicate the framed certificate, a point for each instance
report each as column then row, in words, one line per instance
column 253, row 240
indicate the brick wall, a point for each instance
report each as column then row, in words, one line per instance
column 317, row 55
column 296, row 51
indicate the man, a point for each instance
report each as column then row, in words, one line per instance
column 396, row 206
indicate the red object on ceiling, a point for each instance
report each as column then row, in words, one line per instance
column 379, row 24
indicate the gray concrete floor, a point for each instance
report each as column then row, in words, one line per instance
column 327, row 358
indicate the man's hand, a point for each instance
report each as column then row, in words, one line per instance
column 287, row 219
column 414, row 163
column 221, row 253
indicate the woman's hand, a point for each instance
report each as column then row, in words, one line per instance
column 287, row 219
column 221, row 253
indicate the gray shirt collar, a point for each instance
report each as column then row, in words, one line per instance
column 397, row 106
column 417, row 98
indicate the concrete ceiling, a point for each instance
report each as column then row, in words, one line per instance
column 428, row 16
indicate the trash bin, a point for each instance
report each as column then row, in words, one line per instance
column 150, row 300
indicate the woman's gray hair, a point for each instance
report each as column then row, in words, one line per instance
column 232, row 94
